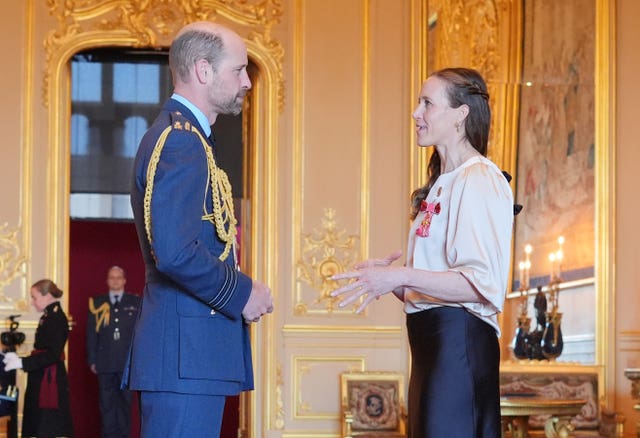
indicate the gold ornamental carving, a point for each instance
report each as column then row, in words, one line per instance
column 279, row 420
column 153, row 23
column 303, row 407
column 12, row 260
column 325, row 252
column 467, row 34
column 480, row 34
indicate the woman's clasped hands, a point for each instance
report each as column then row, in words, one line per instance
column 372, row 279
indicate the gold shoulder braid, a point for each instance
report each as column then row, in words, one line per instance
column 102, row 313
column 223, row 215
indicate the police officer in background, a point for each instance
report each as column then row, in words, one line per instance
column 109, row 330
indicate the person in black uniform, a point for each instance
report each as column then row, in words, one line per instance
column 46, row 402
column 110, row 325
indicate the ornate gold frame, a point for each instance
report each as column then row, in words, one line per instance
column 383, row 384
column 84, row 24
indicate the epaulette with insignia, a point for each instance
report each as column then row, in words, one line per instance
column 180, row 122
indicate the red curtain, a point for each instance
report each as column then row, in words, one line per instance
column 94, row 247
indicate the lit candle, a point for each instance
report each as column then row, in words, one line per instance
column 559, row 255
column 520, row 274
column 552, row 259
column 527, row 264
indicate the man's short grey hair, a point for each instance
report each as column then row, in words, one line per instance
column 192, row 46
column 117, row 268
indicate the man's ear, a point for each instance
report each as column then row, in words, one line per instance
column 202, row 70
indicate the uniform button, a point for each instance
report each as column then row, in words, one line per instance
column 116, row 319
column 115, row 310
column 213, row 312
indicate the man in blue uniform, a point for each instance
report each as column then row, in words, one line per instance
column 109, row 330
column 191, row 345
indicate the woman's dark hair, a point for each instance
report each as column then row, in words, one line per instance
column 46, row 286
column 465, row 86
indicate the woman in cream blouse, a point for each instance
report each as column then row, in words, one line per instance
column 454, row 280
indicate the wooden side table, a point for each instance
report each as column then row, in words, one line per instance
column 633, row 374
column 516, row 411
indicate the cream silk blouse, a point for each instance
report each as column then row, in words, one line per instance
column 468, row 217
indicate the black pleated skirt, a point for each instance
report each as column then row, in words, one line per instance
column 454, row 386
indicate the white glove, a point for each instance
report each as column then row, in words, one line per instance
column 11, row 361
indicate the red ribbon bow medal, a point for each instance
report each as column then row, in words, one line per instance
column 429, row 209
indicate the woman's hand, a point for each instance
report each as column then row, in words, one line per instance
column 371, row 263
column 373, row 278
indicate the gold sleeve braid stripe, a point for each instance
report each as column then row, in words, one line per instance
column 223, row 215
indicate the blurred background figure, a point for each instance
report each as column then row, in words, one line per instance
column 11, row 340
column 112, row 317
column 46, row 402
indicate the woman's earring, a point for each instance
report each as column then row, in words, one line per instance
column 457, row 125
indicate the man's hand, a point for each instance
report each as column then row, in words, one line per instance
column 260, row 302
column 93, row 368
column 11, row 361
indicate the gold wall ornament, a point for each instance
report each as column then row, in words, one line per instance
column 86, row 24
column 324, row 253
column 279, row 412
column 467, row 35
column 484, row 35
column 12, row 260
column 276, row 52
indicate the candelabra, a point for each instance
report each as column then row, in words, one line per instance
column 552, row 342
column 545, row 340
column 526, row 343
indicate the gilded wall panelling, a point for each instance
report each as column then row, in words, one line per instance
column 344, row 337
column 153, row 24
column 318, row 254
column 15, row 241
column 418, row 157
column 630, row 343
column 279, row 409
column 316, row 386
column 12, row 267
column 318, row 356
column 485, row 35
column 325, row 252
column 346, row 89
column 605, row 181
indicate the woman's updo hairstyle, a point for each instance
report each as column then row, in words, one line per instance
column 47, row 286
